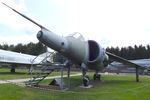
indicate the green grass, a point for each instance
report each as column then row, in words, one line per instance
column 112, row 87
column 5, row 74
column 20, row 73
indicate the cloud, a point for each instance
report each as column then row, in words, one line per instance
column 20, row 38
column 12, row 19
column 21, row 30
column 123, row 23
column 111, row 23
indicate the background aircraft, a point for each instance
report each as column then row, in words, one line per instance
column 14, row 59
column 88, row 54
column 121, row 68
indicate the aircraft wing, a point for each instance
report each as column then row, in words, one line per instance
column 10, row 57
column 125, row 61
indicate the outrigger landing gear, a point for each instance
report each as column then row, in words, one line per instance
column 97, row 76
column 13, row 69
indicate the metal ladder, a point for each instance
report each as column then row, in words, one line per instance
column 40, row 71
column 37, row 79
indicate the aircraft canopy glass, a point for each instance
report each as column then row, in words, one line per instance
column 77, row 35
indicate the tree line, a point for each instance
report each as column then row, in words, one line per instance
column 30, row 48
column 135, row 52
column 131, row 53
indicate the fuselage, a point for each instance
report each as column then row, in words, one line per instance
column 75, row 48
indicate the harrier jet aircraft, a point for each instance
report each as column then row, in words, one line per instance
column 87, row 54
column 14, row 59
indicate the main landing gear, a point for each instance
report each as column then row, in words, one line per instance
column 96, row 76
column 86, row 81
column 85, row 78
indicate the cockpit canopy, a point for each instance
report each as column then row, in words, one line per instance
column 76, row 35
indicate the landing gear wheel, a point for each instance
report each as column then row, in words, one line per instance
column 86, row 81
column 97, row 77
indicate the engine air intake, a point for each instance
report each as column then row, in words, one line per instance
column 93, row 50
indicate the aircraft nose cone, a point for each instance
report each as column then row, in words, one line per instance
column 39, row 34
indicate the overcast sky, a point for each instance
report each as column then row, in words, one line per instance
column 109, row 22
